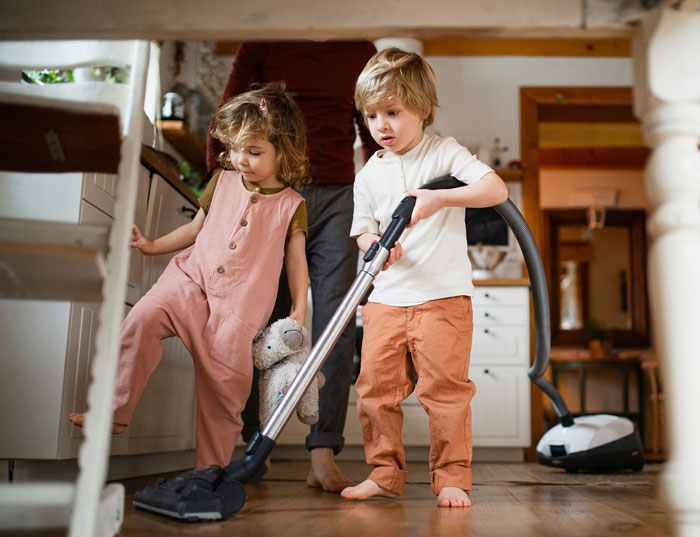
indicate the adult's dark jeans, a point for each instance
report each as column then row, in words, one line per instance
column 332, row 259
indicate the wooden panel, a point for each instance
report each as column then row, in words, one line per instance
column 306, row 19
column 563, row 95
column 587, row 113
column 463, row 46
column 597, row 157
column 577, row 134
column 456, row 46
column 41, row 139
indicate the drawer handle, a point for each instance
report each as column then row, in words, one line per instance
column 486, row 314
column 486, row 371
column 486, row 295
column 486, row 330
column 188, row 210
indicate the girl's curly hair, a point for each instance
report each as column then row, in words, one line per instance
column 266, row 111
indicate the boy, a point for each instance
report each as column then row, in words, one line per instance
column 419, row 318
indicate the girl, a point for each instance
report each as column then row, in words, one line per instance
column 219, row 293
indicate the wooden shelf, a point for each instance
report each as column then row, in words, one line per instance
column 161, row 163
column 182, row 139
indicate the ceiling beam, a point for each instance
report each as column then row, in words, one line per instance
column 570, row 47
column 618, row 47
column 308, row 19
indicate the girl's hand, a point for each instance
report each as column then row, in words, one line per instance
column 428, row 202
column 394, row 255
column 140, row 242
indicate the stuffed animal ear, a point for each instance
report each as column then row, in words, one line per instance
column 294, row 335
column 258, row 336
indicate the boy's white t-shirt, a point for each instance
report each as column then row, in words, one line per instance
column 434, row 263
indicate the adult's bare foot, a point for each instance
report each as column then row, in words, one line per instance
column 78, row 420
column 325, row 473
column 366, row 489
column 453, row 497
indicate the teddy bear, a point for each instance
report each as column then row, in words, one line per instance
column 279, row 352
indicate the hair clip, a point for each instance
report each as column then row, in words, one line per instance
column 263, row 104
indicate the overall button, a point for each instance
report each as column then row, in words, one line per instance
column 219, row 269
column 244, row 223
column 254, row 199
column 232, row 245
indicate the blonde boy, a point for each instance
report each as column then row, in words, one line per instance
column 419, row 318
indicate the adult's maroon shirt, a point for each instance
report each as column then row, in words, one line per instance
column 321, row 76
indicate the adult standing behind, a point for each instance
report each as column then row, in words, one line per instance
column 321, row 76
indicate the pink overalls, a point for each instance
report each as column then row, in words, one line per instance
column 215, row 295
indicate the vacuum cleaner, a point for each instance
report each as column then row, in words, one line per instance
column 596, row 442
column 591, row 443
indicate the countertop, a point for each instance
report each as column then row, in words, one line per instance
column 502, row 281
column 160, row 163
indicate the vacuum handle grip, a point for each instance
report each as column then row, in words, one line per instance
column 402, row 214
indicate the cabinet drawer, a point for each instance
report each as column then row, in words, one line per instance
column 91, row 215
column 500, row 408
column 504, row 296
column 500, row 345
column 100, row 189
column 496, row 315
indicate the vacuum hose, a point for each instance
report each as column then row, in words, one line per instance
column 540, row 301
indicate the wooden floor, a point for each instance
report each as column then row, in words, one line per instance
column 508, row 500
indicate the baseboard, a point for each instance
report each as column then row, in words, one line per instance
column 413, row 454
column 120, row 466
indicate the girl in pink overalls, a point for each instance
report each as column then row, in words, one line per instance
column 219, row 293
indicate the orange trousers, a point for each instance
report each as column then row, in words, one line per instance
column 432, row 340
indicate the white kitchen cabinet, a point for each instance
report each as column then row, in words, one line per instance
column 46, row 347
column 500, row 359
column 164, row 417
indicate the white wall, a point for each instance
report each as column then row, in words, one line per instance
column 479, row 96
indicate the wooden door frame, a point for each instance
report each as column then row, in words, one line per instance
column 531, row 100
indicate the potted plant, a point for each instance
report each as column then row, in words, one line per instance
column 598, row 337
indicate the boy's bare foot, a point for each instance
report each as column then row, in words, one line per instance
column 366, row 489
column 453, row 497
column 325, row 473
column 79, row 421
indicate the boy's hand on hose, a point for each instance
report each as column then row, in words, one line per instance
column 140, row 242
column 394, row 255
column 428, row 202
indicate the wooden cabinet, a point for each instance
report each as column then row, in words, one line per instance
column 46, row 347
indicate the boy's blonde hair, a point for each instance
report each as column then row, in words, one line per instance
column 271, row 113
column 396, row 73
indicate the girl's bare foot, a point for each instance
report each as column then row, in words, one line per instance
column 325, row 473
column 78, row 420
column 366, row 489
column 453, row 497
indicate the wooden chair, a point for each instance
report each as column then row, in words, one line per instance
column 657, row 399
column 87, row 127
